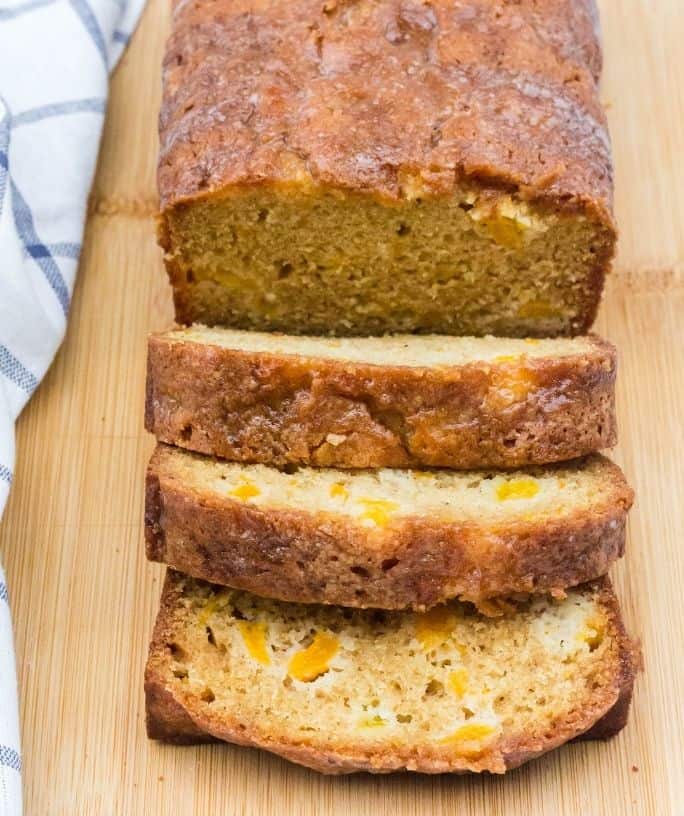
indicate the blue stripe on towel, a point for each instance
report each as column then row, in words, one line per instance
column 5, row 474
column 9, row 758
column 94, row 105
column 23, row 218
column 16, row 371
column 64, row 249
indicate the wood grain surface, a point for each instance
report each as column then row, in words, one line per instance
column 84, row 598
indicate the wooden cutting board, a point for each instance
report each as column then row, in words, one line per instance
column 84, row 598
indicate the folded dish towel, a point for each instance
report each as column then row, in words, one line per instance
column 55, row 58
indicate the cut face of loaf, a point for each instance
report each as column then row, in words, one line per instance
column 364, row 168
column 341, row 690
column 385, row 538
column 394, row 401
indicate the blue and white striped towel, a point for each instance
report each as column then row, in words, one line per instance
column 55, row 57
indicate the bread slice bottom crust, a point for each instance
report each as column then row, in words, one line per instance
column 180, row 711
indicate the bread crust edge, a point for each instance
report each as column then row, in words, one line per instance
column 293, row 555
column 281, row 409
column 169, row 720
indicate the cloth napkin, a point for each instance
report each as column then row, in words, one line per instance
column 55, row 59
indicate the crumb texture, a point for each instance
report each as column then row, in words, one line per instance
column 372, row 498
column 390, row 350
column 449, row 687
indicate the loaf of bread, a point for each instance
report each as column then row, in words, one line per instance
column 344, row 690
column 355, row 167
column 399, row 401
column 385, row 538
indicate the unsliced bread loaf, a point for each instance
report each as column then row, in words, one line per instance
column 361, row 168
column 343, row 690
column 385, row 538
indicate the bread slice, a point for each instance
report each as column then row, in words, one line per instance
column 371, row 167
column 385, row 538
column 343, row 690
column 398, row 401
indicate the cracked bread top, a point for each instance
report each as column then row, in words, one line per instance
column 399, row 98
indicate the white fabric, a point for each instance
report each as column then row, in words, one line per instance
column 55, row 57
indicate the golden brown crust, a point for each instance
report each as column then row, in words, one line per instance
column 631, row 663
column 360, row 92
column 415, row 562
column 167, row 720
column 280, row 409
column 174, row 717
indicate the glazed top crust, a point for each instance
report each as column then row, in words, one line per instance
column 368, row 95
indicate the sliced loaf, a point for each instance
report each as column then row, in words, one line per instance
column 395, row 401
column 385, row 538
column 343, row 690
